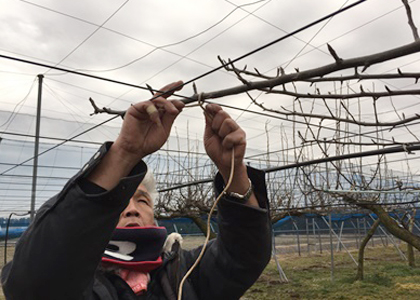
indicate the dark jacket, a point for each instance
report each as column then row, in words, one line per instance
column 57, row 258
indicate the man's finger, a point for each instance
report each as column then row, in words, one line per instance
column 237, row 138
column 169, row 89
column 169, row 117
column 151, row 109
column 212, row 109
column 178, row 104
column 153, row 113
column 167, row 106
column 218, row 119
column 228, row 126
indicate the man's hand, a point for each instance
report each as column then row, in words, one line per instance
column 147, row 125
column 221, row 136
column 145, row 129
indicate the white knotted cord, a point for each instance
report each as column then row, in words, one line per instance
column 200, row 102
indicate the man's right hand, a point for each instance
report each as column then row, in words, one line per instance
column 145, row 129
column 147, row 124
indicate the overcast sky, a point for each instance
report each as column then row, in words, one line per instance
column 156, row 42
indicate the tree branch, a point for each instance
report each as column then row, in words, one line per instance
column 410, row 20
column 375, row 95
column 363, row 61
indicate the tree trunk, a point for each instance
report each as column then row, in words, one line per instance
column 394, row 228
column 203, row 226
column 390, row 224
column 362, row 247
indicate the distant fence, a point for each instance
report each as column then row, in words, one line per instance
column 354, row 223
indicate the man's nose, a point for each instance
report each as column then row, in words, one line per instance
column 131, row 211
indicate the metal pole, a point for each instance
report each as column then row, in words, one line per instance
column 319, row 237
column 283, row 277
column 297, row 235
column 339, row 240
column 354, row 233
column 212, row 228
column 331, row 250
column 314, row 233
column 416, row 226
column 340, row 236
column 373, row 235
column 307, row 233
column 36, row 147
column 364, row 227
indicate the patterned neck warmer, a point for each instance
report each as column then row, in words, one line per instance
column 135, row 248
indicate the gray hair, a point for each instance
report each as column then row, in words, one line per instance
column 150, row 184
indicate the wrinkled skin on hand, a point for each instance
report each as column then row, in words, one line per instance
column 147, row 124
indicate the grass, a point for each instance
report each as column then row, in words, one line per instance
column 387, row 276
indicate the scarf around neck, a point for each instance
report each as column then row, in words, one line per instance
column 135, row 248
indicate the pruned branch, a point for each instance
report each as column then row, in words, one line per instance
column 363, row 61
column 106, row 110
column 356, row 76
column 282, row 79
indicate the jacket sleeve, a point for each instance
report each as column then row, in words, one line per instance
column 57, row 256
column 236, row 258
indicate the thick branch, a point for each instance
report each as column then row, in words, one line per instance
column 356, row 76
column 375, row 95
column 360, row 77
column 391, row 225
column 372, row 143
column 364, row 61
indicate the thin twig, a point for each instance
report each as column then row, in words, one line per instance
column 410, row 20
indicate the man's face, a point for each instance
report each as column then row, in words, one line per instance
column 139, row 211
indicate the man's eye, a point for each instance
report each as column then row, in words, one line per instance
column 142, row 201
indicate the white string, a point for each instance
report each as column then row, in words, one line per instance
column 200, row 102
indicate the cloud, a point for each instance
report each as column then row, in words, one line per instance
column 124, row 49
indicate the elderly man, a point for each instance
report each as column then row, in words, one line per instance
column 96, row 239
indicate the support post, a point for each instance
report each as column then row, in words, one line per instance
column 340, row 236
column 212, row 228
column 282, row 275
column 339, row 240
column 331, row 249
column 36, row 147
column 307, row 234
column 372, row 239
column 297, row 236
column 314, row 234
column 319, row 237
